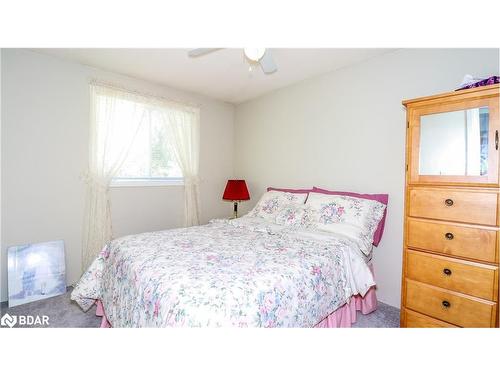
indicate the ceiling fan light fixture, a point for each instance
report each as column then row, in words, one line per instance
column 254, row 54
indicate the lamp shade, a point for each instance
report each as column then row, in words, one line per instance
column 236, row 190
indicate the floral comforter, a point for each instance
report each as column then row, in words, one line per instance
column 240, row 273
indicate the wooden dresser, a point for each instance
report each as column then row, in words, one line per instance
column 452, row 221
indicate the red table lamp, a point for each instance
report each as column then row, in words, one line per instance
column 236, row 190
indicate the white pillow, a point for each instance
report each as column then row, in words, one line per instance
column 273, row 201
column 345, row 214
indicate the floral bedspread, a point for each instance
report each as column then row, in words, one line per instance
column 240, row 273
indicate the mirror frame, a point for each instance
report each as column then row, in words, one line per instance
column 414, row 114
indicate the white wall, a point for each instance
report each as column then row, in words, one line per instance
column 45, row 116
column 346, row 130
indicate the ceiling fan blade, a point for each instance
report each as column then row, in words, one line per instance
column 267, row 63
column 201, row 51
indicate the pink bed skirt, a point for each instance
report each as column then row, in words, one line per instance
column 99, row 311
column 343, row 317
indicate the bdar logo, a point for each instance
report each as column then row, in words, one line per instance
column 8, row 320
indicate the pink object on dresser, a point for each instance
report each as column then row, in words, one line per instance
column 382, row 198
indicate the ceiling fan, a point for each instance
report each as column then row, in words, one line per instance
column 261, row 56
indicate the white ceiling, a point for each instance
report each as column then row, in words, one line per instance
column 222, row 74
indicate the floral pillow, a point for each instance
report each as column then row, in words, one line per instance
column 294, row 216
column 273, row 201
column 346, row 214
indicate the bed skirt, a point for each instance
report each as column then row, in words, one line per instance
column 99, row 311
column 343, row 317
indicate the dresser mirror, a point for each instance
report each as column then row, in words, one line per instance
column 454, row 143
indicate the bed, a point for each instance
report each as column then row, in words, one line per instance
column 246, row 272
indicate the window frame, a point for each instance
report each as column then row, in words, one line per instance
column 144, row 182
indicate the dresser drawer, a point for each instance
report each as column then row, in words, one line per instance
column 461, row 276
column 451, row 307
column 453, row 205
column 417, row 320
column 460, row 240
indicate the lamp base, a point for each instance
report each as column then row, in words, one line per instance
column 235, row 209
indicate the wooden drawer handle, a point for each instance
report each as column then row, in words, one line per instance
column 447, row 272
column 449, row 236
column 448, row 202
column 446, row 304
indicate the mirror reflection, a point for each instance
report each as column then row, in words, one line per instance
column 454, row 143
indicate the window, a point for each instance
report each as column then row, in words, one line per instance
column 150, row 160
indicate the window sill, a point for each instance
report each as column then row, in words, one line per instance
column 133, row 182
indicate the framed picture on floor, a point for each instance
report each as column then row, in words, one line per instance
column 36, row 271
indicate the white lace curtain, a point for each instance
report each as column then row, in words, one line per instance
column 115, row 118
column 183, row 133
